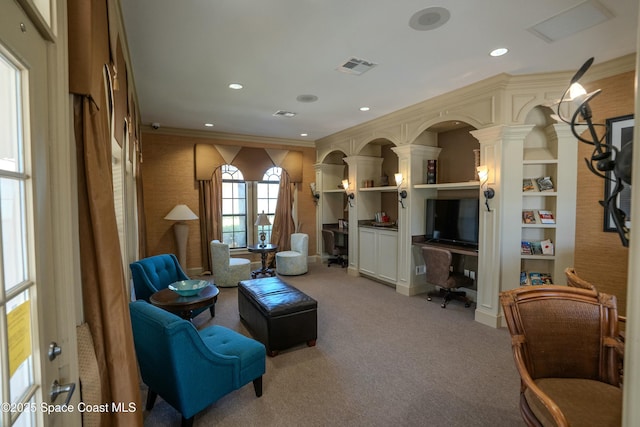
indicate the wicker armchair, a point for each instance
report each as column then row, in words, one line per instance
column 576, row 281
column 567, row 351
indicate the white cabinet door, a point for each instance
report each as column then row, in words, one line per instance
column 368, row 252
column 387, row 245
column 379, row 254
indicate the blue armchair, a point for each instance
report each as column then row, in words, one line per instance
column 155, row 273
column 192, row 369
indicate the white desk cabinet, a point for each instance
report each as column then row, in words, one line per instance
column 378, row 257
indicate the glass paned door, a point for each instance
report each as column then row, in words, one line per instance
column 18, row 284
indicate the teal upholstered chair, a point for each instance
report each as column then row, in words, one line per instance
column 155, row 273
column 192, row 369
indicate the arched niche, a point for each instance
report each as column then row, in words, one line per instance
column 333, row 157
column 457, row 159
column 440, row 124
column 542, row 141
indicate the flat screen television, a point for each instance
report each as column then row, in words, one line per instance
column 453, row 221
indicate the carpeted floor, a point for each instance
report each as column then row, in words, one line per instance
column 381, row 359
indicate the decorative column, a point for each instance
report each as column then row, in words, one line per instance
column 364, row 205
column 411, row 220
column 501, row 152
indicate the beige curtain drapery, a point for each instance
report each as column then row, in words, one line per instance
column 210, row 201
column 105, row 300
column 283, row 225
column 104, row 296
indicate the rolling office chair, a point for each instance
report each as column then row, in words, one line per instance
column 439, row 273
column 330, row 247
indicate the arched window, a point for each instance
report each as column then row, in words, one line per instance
column 242, row 201
column 267, row 196
column 234, row 207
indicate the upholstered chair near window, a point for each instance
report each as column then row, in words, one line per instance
column 294, row 262
column 189, row 368
column 227, row 271
column 568, row 353
column 157, row 272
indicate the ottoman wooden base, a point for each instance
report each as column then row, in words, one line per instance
column 277, row 314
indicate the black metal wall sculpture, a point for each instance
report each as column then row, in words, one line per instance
column 605, row 157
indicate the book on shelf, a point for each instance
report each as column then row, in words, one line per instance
column 528, row 217
column 534, row 278
column 546, row 217
column 536, row 247
column 527, row 185
column 547, row 247
column 432, row 169
column 545, row 183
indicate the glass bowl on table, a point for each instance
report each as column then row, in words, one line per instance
column 188, row 288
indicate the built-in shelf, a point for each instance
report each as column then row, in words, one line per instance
column 542, row 257
column 451, row 185
column 337, row 190
column 388, row 188
column 539, row 193
column 540, row 162
column 538, row 226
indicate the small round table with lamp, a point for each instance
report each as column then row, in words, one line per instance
column 263, row 250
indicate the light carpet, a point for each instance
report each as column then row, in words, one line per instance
column 381, row 359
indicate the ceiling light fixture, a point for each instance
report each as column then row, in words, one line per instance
column 499, row 51
column 364, row 108
column 304, row 134
column 235, row 86
column 209, row 125
column 283, row 113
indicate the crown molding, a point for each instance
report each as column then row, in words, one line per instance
column 227, row 136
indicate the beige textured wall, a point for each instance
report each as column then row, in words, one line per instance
column 168, row 180
column 600, row 258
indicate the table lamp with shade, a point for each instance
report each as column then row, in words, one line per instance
column 181, row 213
column 262, row 220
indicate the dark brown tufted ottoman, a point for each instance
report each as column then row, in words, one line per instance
column 277, row 314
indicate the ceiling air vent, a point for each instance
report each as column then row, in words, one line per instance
column 282, row 113
column 356, row 66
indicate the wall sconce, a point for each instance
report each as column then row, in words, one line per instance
column 350, row 196
column 607, row 161
column 489, row 193
column 402, row 194
column 314, row 193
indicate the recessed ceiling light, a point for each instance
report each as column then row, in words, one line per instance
column 364, row 108
column 209, row 125
column 304, row 134
column 499, row 52
column 235, row 86
column 283, row 113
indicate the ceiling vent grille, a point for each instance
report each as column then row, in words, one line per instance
column 572, row 21
column 283, row 113
column 356, row 66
